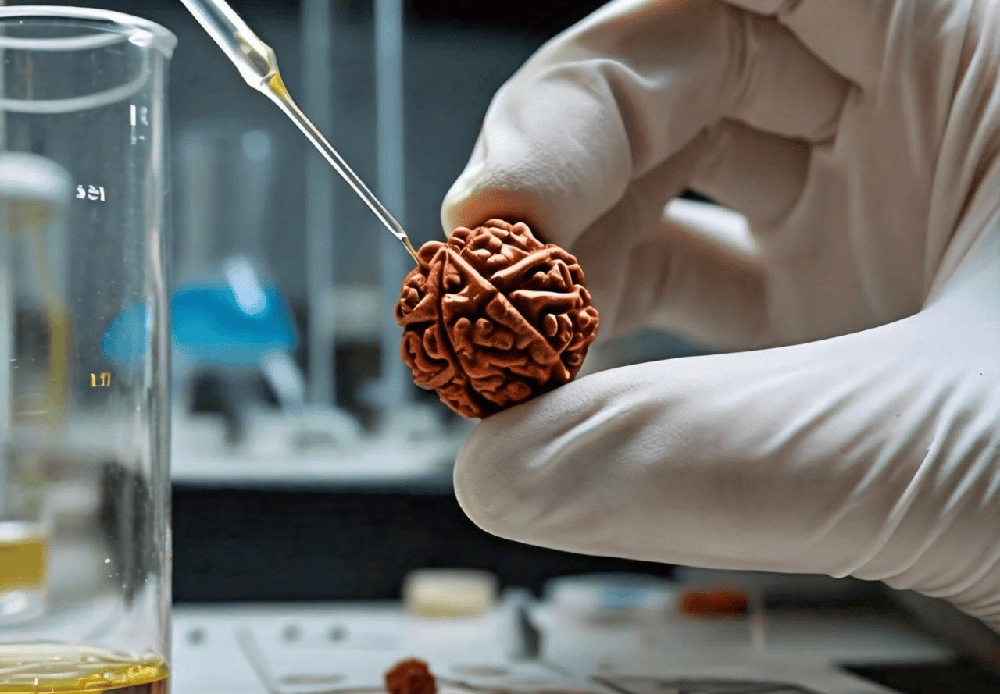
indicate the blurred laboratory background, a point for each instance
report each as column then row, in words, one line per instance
column 306, row 465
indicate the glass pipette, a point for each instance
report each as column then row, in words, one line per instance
column 258, row 65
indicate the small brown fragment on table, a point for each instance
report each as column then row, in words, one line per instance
column 493, row 317
column 718, row 603
column 411, row 676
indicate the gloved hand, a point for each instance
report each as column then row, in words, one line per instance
column 852, row 425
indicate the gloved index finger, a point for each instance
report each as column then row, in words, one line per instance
column 630, row 88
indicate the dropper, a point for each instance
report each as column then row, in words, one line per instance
column 258, row 65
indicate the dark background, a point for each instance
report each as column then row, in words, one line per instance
column 344, row 544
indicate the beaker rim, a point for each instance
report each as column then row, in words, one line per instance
column 142, row 32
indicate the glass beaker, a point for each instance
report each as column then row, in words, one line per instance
column 84, row 351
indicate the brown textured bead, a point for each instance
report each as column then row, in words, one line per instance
column 411, row 676
column 493, row 317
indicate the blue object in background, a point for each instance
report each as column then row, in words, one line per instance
column 212, row 326
column 229, row 325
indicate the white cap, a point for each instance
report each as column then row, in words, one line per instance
column 610, row 596
column 35, row 178
column 449, row 592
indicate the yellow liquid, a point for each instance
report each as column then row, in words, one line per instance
column 22, row 559
column 36, row 668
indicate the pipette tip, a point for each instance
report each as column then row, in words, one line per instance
column 409, row 249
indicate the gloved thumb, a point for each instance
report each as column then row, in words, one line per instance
column 871, row 454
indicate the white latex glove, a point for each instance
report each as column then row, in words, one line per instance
column 861, row 141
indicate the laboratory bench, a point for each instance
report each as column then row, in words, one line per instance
column 291, row 571
column 336, row 647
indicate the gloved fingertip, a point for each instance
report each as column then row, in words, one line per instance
column 464, row 189
column 475, row 198
column 459, row 198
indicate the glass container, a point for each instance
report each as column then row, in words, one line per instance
column 84, row 352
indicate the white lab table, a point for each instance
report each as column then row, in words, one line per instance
column 297, row 649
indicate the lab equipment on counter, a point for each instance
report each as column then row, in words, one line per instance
column 610, row 597
column 347, row 647
column 449, row 592
column 258, row 65
column 83, row 237
column 231, row 320
column 225, row 192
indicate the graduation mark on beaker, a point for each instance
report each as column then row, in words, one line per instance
column 138, row 115
column 102, row 380
column 94, row 193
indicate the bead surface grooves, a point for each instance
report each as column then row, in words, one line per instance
column 493, row 317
